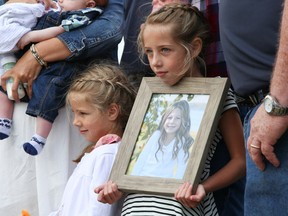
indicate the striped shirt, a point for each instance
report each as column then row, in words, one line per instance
column 154, row 205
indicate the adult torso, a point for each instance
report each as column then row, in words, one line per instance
column 249, row 35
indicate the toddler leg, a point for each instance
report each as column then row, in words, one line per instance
column 37, row 142
column 6, row 113
column 35, row 145
column 5, row 128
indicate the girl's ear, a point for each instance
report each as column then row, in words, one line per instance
column 113, row 112
column 196, row 46
column 91, row 4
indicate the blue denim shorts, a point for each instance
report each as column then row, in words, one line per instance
column 49, row 90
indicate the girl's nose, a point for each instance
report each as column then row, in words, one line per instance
column 76, row 122
column 156, row 61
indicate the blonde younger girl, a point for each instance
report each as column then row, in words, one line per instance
column 101, row 99
column 173, row 38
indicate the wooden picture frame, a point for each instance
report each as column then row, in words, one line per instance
column 215, row 89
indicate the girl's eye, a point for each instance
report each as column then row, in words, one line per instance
column 83, row 113
column 165, row 50
column 148, row 51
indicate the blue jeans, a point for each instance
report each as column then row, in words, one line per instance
column 266, row 192
column 99, row 40
column 49, row 90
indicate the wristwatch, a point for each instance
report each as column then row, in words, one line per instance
column 272, row 106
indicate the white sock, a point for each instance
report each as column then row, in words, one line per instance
column 5, row 128
column 35, row 145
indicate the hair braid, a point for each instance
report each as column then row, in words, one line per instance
column 103, row 84
column 186, row 23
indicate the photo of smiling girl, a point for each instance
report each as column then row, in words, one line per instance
column 167, row 150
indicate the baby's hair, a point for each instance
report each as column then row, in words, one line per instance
column 101, row 3
column 183, row 138
column 187, row 23
column 102, row 85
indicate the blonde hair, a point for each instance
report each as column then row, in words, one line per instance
column 187, row 23
column 101, row 85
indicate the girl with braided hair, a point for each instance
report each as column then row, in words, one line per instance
column 174, row 39
column 101, row 99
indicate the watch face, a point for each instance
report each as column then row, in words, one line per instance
column 268, row 104
column 272, row 107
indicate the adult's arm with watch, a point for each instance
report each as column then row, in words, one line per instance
column 273, row 107
column 266, row 129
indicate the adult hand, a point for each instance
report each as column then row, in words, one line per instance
column 26, row 70
column 264, row 133
column 184, row 195
column 108, row 193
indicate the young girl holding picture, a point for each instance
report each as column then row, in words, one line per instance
column 174, row 39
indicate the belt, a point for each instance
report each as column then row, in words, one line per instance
column 252, row 99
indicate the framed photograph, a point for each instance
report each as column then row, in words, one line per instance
column 168, row 134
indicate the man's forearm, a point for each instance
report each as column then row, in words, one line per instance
column 279, row 81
